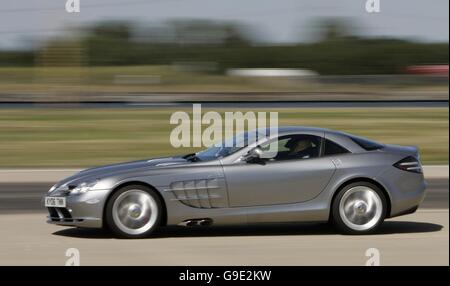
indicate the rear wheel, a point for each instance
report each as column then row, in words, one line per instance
column 133, row 211
column 359, row 208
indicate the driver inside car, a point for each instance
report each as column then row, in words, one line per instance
column 302, row 149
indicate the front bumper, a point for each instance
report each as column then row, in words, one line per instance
column 83, row 210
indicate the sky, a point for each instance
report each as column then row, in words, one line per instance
column 22, row 22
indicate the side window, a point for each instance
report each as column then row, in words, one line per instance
column 332, row 148
column 291, row 147
column 366, row 144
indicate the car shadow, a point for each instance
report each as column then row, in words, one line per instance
column 388, row 227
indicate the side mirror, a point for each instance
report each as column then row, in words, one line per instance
column 253, row 155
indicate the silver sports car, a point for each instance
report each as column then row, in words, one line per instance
column 300, row 175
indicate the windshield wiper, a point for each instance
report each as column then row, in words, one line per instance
column 191, row 157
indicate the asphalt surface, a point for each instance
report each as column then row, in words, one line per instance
column 20, row 197
column 417, row 239
column 233, row 104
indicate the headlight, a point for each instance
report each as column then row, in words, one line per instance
column 52, row 188
column 83, row 187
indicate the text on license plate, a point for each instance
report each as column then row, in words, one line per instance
column 58, row 202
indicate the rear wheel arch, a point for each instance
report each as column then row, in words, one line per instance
column 366, row 180
column 138, row 183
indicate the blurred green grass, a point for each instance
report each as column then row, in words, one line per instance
column 70, row 137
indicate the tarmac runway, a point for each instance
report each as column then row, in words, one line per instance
column 234, row 104
column 417, row 239
column 421, row 238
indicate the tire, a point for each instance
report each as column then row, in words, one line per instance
column 133, row 211
column 359, row 208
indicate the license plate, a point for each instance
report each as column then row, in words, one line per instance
column 56, row 202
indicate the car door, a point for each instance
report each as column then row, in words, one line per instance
column 282, row 176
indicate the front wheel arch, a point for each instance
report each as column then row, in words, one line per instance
column 139, row 183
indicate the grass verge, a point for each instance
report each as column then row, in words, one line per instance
column 88, row 137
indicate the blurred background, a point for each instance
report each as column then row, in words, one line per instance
column 99, row 86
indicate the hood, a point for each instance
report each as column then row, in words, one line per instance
column 114, row 169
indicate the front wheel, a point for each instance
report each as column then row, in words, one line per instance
column 359, row 208
column 133, row 212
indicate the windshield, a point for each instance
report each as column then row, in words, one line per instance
column 228, row 146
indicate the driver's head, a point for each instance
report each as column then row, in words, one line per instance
column 301, row 145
